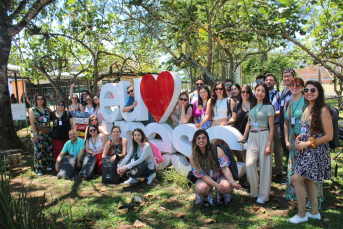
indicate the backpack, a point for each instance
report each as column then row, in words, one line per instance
column 334, row 114
column 158, row 158
column 233, row 165
column 109, row 171
column 277, row 94
column 67, row 169
column 88, row 167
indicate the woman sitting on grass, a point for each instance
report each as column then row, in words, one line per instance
column 210, row 173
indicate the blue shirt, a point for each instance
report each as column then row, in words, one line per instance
column 274, row 102
column 283, row 97
column 129, row 102
column 74, row 149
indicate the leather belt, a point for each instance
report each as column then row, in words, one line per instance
column 257, row 130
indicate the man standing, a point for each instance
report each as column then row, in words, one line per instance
column 195, row 94
column 260, row 79
column 286, row 95
column 278, row 158
column 75, row 147
column 228, row 83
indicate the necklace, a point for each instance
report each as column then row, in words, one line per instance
column 94, row 147
column 246, row 107
column 73, row 108
column 218, row 106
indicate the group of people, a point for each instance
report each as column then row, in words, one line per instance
column 295, row 122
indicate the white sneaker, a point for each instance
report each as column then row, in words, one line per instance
column 48, row 168
column 309, row 215
column 151, row 178
column 260, row 201
column 296, row 219
column 131, row 181
column 40, row 174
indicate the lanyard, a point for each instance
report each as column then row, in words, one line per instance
column 255, row 113
column 59, row 117
column 245, row 107
column 218, row 104
column 307, row 115
column 293, row 110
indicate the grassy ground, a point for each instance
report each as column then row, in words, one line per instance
column 170, row 204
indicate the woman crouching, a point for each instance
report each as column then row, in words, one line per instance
column 210, row 173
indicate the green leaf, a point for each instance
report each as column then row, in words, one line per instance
column 283, row 20
column 71, row 1
column 286, row 2
column 88, row 2
column 262, row 11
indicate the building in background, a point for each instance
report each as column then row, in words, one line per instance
column 313, row 73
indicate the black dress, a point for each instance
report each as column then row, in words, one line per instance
column 241, row 116
column 63, row 130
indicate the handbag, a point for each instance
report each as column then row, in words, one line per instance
column 54, row 134
column 137, row 170
column 44, row 130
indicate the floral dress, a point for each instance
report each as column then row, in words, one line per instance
column 214, row 175
column 43, row 148
column 314, row 163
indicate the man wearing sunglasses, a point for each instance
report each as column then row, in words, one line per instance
column 260, row 79
column 270, row 81
column 288, row 76
column 228, row 83
column 130, row 103
column 195, row 94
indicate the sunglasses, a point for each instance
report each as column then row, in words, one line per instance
column 94, row 119
column 73, row 97
column 228, row 85
column 60, row 104
column 95, row 99
column 217, row 89
column 200, row 138
column 199, row 84
column 40, row 98
column 130, row 91
column 245, row 92
column 181, row 99
column 312, row 90
column 297, row 86
column 92, row 130
column 258, row 81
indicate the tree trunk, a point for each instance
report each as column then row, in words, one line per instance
column 8, row 135
column 96, row 75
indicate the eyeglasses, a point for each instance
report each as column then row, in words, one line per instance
column 40, row 98
column 287, row 76
column 60, row 104
column 73, row 97
column 199, row 84
column 245, row 92
column 95, row 99
column 234, row 89
column 181, row 99
column 217, row 89
column 94, row 119
column 228, row 85
column 130, row 91
column 297, row 86
column 259, row 81
column 92, row 130
column 200, row 138
column 312, row 90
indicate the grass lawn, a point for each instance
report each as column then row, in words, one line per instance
column 170, row 204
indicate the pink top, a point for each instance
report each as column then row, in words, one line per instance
column 99, row 115
column 196, row 111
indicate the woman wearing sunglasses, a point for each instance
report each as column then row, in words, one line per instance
column 75, row 105
column 199, row 107
column 97, row 110
column 63, row 122
column 182, row 112
column 117, row 147
column 218, row 106
column 210, row 173
column 313, row 162
column 39, row 116
column 260, row 144
column 89, row 108
column 95, row 143
column 93, row 120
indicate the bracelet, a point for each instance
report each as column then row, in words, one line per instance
column 35, row 133
column 313, row 142
column 232, row 181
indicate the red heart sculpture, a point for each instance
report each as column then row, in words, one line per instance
column 157, row 94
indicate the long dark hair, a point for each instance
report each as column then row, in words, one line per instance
column 316, row 111
column 266, row 100
column 88, row 134
column 239, row 96
column 200, row 102
column 251, row 95
column 134, row 143
column 44, row 99
column 95, row 105
column 203, row 162
column 214, row 97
